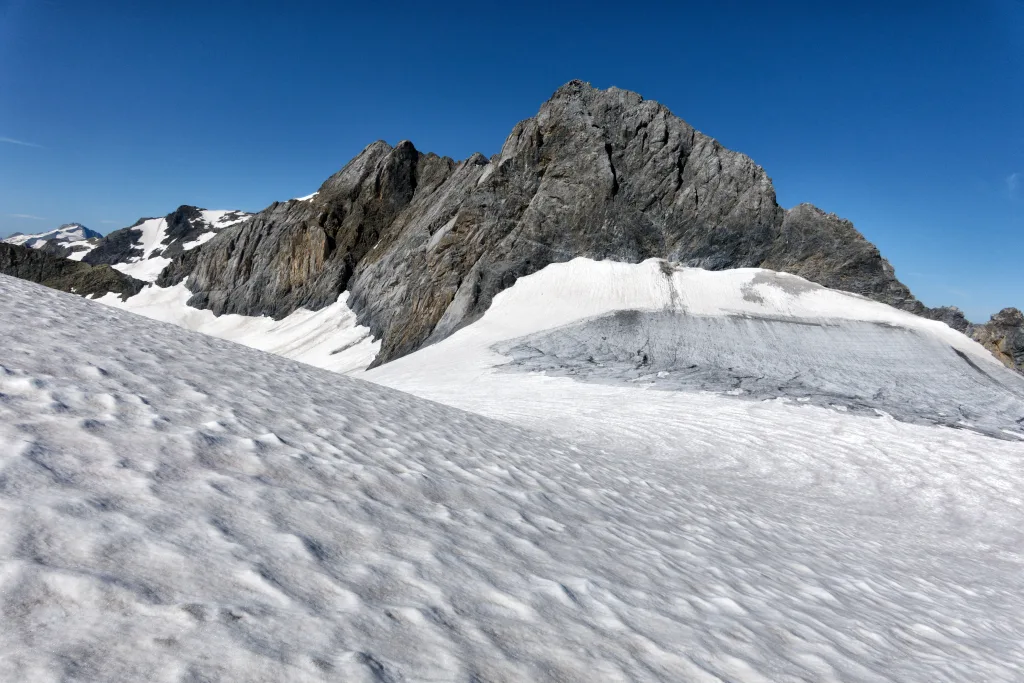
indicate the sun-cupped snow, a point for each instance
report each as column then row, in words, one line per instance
column 173, row 506
column 329, row 338
column 766, row 378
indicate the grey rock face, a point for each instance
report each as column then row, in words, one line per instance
column 116, row 247
column 1003, row 335
column 424, row 243
column 951, row 315
column 64, row 274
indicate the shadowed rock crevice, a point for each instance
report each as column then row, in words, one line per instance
column 423, row 243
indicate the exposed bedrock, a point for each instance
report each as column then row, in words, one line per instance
column 37, row 265
column 1003, row 335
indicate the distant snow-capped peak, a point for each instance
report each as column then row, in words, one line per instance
column 65, row 234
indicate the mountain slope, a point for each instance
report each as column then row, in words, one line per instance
column 71, row 240
column 37, row 265
column 424, row 243
column 146, row 248
column 176, row 507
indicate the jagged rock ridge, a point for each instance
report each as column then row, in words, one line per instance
column 183, row 226
column 423, row 243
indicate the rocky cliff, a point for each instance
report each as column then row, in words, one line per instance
column 423, row 243
column 64, row 274
column 1003, row 335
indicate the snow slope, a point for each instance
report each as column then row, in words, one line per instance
column 747, row 332
column 787, row 445
column 176, row 507
column 70, row 232
column 329, row 338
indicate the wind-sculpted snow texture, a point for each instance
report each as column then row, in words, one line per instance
column 178, row 508
column 423, row 243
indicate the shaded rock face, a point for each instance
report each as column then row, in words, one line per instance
column 184, row 225
column 951, row 315
column 116, row 247
column 1003, row 335
column 64, row 274
column 424, row 243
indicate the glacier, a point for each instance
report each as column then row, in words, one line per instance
column 178, row 507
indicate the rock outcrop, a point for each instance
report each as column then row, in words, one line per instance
column 1003, row 335
column 117, row 247
column 423, row 243
column 169, row 237
column 64, row 274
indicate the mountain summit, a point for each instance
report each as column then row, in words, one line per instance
column 72, row 240
column 423, row 243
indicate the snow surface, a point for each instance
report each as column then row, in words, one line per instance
column 224, row 218
column 175, row 507
column 146, row 267
column 329, row 338
column 307, row 197
column 79, row 249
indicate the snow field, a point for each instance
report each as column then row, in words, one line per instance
column 175, row 507
column 329, row 338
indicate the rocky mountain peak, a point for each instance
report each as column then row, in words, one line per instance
column 1003, row 335
column 423, row 243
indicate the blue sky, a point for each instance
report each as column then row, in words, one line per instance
column 905, row 117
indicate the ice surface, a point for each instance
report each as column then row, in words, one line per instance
column 175, row 507
column 864, row 367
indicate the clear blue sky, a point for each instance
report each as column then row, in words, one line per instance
column 905, row 117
